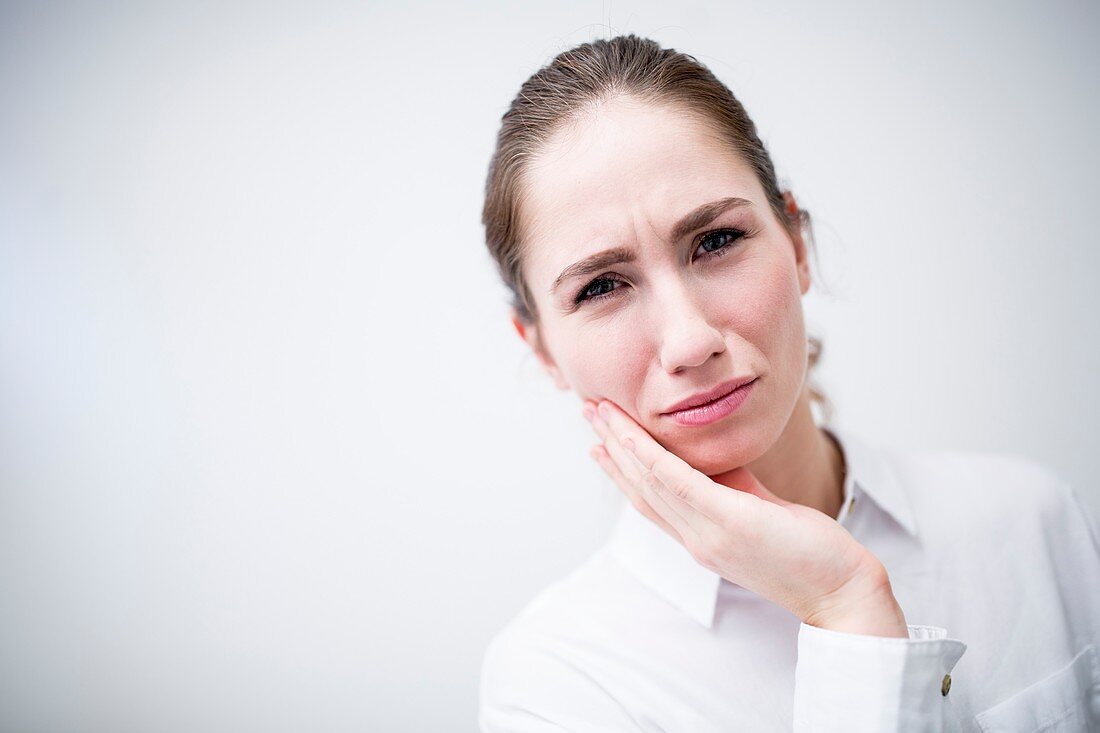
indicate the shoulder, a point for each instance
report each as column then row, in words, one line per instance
column 1007, row 479
column 1005, row 489
column 579, row 609
column 1012, row 521
column 1010, row 474
column 539, row 667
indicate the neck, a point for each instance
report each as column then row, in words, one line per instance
column 805, row 465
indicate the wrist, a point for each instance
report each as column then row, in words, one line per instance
column 866, row 605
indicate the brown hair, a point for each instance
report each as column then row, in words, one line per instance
column 576, row 82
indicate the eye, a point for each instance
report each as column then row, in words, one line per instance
column 719, row 242
column 601, row 287
column 714, row 244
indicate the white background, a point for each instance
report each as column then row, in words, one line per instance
column 272, row 458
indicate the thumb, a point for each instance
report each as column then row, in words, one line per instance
column 742, row 479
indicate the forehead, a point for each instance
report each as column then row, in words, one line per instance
column 622, row 176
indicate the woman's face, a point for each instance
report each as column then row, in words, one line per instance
column 702, row 284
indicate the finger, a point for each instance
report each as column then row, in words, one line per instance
column 687, row 492
column 681, row 479
column 623, row 426
column 626, row 463
column 625, row 469
column 631, row 490
column 658, row 509
column 681, row 516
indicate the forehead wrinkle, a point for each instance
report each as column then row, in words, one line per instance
column 567, row 144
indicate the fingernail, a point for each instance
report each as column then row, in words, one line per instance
column 605, row 410
column 628, row 444
column 589, row 413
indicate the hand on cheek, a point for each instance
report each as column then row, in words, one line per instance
column 623, row 468
column 793, row 555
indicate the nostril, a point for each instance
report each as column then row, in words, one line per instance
column 692, row 349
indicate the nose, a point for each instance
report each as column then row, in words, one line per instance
column 687, row 337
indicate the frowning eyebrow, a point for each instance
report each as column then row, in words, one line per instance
column 699, row 217
column 705, row 214
column 595, row 263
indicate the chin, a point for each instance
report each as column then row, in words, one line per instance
column 716, row 453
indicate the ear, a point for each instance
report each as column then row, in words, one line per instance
column 801, row 253
column 529, row 333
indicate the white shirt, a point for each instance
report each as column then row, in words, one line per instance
column 993, row 558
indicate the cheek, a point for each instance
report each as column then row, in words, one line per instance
column 769, row 315
column 608, row 360
column 765, row 315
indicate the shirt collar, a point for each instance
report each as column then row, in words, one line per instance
column 871, row 473
column 664, row 565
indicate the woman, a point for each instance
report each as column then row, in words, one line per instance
column 768, row 573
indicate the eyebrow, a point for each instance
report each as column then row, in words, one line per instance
column 697, row 218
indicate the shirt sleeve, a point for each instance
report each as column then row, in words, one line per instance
column 874, row 684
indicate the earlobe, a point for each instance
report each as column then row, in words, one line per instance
column 801, row 253
column 803, row 268
column 517, row 324
column 527, row 331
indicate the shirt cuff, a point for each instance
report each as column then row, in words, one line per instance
column 856, row 682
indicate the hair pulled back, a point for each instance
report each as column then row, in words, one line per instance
column 576, row 82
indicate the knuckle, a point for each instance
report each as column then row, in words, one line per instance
column 680, row 489
column 704, row 552
column 628, row 487
column 662, row 463
column 734, row 526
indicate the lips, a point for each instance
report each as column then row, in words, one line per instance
column 710, row 395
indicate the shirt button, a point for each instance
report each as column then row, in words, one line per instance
column 946, row 686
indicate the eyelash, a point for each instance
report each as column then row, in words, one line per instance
column 737, row 235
